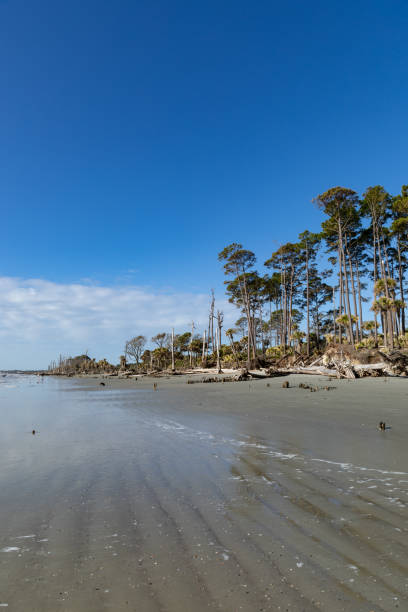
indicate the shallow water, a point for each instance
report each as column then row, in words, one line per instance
column 235, row 496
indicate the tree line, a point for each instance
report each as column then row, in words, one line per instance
column 180, row 350
column 365, row 243
column 298, row 303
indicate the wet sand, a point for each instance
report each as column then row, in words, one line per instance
column 229, row 496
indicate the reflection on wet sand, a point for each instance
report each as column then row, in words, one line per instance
column 317, row 518
column 196, row 497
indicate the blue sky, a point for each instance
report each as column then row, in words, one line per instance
column 140, row 138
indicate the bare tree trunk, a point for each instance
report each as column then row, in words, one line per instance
column 353, row 289
column 249, row 319
column 350, row 322
column 217, row 338
column 392, row 314
column 220, row 321
column 212, row 320
column 307, row 302
column 388, row 331
column 284, row 304
column 253, row 331
column 384, row 326
column 282, row 323
column 172, row 350
column 253, row 335
column 191, row 344
column 203, row 352
column 292, row 273
column 360, row 305
column 375, row 280
column 386, row 255
column 262, row 330
column 401, row 285
column 341, row 292
column 384, row 317
column 245, row 300
column 342, row 255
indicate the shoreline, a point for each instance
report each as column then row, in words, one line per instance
column 337, row 362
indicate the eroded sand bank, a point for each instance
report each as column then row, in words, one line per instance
column 234, row 496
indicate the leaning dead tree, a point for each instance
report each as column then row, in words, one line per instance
column 172, row 350
column 220, row 321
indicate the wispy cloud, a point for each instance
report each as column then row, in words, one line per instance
column 40, row 319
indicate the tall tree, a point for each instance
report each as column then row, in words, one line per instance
column 375, row 205
column 239, row 263
column 161, row 340
column 287, row 262
column 399, row 228
column 134, row 347
column 340, row 205
column 308, row 245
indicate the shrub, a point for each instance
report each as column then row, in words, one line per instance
column 403, row 340
column 229, row 360
column 366, row 343
column 274, row 352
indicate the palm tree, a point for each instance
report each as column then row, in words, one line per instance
column 347, row 322
column 230, row 335
column 369, row 326
column 385, row 288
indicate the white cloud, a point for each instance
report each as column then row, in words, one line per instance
column 40, row 319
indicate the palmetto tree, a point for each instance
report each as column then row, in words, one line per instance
column 369, row 326
column 230, row 335
column 385, row 306
column 297, row 336
column 347, row 321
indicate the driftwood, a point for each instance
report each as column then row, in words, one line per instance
column 371, row 369
column 344, row 369
column 274, row 372
column 299, row 362
column 212, row 379
column 312, row 370
column 316, row 361
column 282, row 359
column 345, row 363
column 338, row 362
column 266, row 374
column 396, row 362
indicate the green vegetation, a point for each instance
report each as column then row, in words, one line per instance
column 365, row 240
column 299, row 305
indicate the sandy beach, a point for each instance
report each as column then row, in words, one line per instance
column 229, row 496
